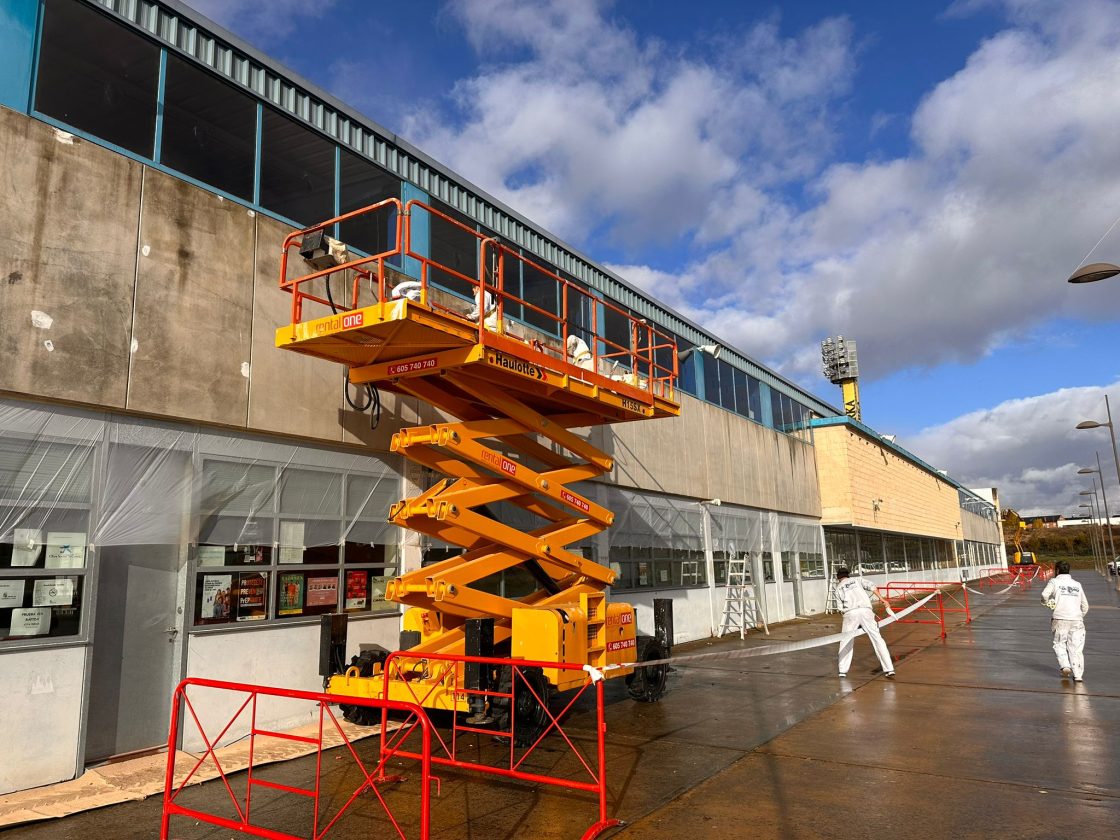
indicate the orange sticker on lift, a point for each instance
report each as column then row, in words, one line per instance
column 620, row 618
column 621, row 644
column 575, row 501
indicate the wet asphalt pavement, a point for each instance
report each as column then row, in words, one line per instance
column 976, row 736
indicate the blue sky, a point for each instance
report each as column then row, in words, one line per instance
column 919, row 176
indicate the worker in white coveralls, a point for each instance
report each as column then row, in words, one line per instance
column 854, row 598
column 1066, row 598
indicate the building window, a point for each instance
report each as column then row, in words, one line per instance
column 209, row 129
column 45, row 491
column 454, row 250
column 316, row 542
column 361, row 184
column 97, row 76
column 812, row 565
column 297, row 170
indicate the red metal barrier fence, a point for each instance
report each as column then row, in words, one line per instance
column 525, row 687
column 415, row 720
column 949, row 597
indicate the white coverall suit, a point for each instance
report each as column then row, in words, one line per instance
column 1068, row 625
column 853, row 595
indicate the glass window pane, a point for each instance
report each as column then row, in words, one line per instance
column 753, row 393
column 711, row 377
column 40, row 607
column 454, row 248
column 726, row 386
column 311, row 492
column 742, row 397
column 361, row 184
column 209, row 129
column 687, row 380
column 297, row 170
column 97, row 76
column 221, row 598
column 542, row 291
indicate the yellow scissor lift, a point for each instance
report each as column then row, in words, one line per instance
column 517, row 392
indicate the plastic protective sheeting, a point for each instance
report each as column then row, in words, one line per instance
column 125, row 481
column 736, row 530
column 644, row 520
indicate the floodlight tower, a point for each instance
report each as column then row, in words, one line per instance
column 842, row 368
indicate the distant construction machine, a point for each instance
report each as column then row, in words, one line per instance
column 516, row 356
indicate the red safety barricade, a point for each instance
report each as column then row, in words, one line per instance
column 447, row 672
column 949, row 597
column 416, row 719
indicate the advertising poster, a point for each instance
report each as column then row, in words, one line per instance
column 291, row 595
column 211, row 555
column 250, row 596
column 53, row 593
column 27, row 547
column 31, row 621
column 356, row 585
column 291, row 542
column 216, row 593
column 65, row 550
column 11, row 593
column 322, row 591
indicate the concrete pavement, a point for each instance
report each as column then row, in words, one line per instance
column 976, row 736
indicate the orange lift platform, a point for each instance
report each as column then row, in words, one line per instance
column 513, row 355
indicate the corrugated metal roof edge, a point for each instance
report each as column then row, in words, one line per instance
column 905, row 453
column 224, row 34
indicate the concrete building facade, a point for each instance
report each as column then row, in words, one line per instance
column 178, row 497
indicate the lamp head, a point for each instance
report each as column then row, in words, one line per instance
column 1085, row 471
column 1094, row 272
column 1090, row 424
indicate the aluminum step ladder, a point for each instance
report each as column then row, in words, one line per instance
column 831, row 604
column 740, row 607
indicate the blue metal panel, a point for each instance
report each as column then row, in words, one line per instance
column 767, row 408
column 420, row 228
column 161, row 94
column 18, row 22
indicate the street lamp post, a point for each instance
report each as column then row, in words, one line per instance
column 1092, row 494
column 1104, row 496
column 1092, row 536
column 1093, row 424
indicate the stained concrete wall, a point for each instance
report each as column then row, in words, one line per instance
column 710, row 453
column 67, row 263
column 165, row 301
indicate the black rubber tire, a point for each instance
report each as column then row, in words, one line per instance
column 530, row 716
column 647, row 685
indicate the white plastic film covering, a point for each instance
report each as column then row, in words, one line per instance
column 736, row 530
column 126, row 481
column 645, row 520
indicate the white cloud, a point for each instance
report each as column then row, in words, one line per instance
column 261, row 21
column 1028, row 448
column 585, row 127
column 721, row 147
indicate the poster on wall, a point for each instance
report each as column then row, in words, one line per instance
column 291, row 542
column 53, row 593
column 291, row 595
column 356, row 586
column 31, row 621
column 11, row 593
column 65, row 550
column 27, row 547
column 211, row 555
column 216, row 593
column 322, row 591
column 250, row 596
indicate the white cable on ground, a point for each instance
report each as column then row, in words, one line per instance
column 770, row 650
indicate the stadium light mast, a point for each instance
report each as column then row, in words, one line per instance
column 841, row 367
